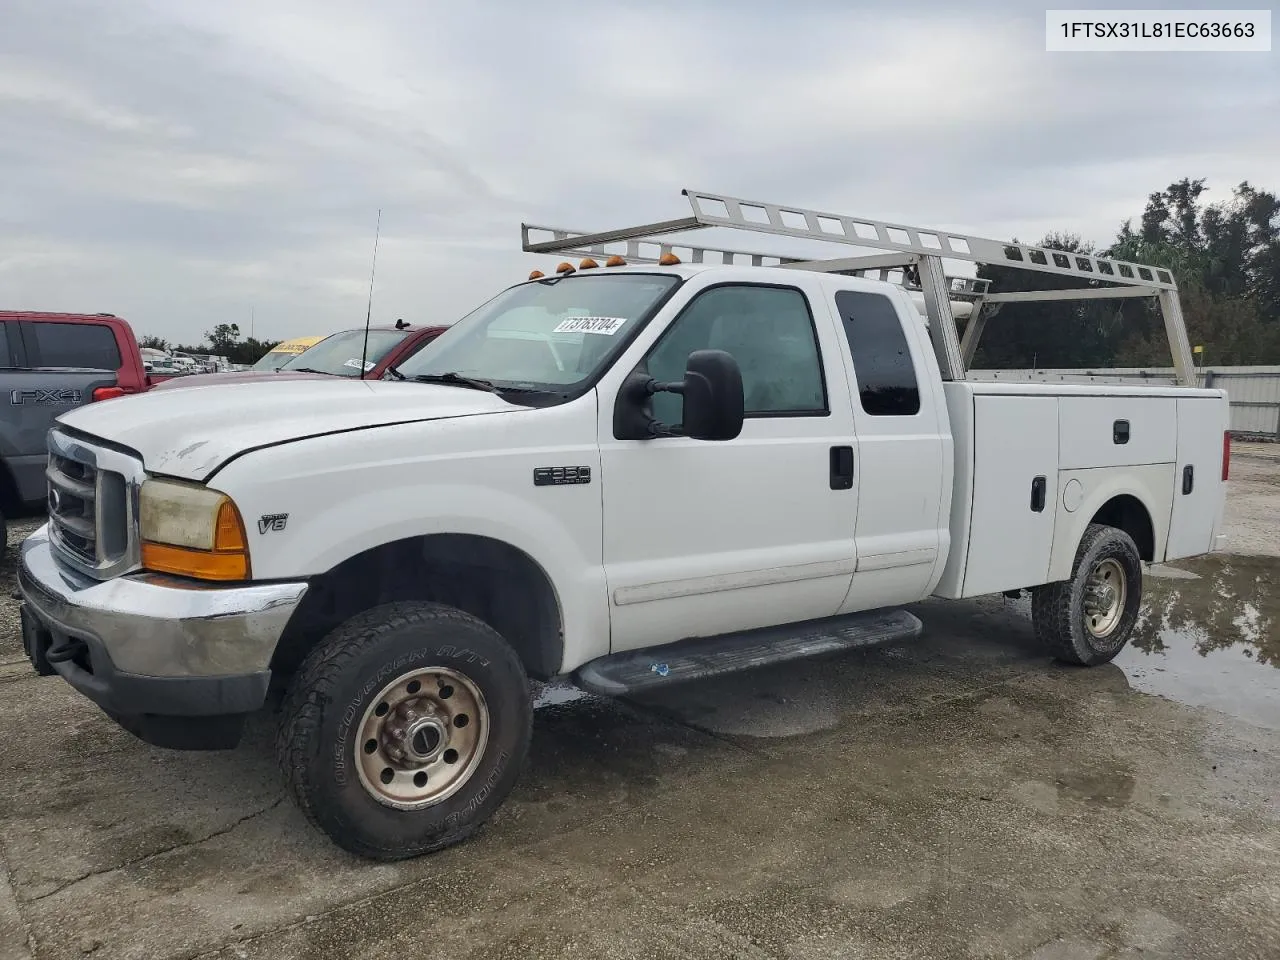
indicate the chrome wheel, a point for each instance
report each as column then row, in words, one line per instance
column 421, row 738
column 1105, row 593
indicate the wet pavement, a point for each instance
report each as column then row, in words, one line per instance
column 1208, row 636
column 960, row 796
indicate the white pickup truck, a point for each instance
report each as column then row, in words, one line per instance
column 632, row 474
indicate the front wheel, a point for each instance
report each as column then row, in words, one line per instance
column 405, row 729
column 1088, row 619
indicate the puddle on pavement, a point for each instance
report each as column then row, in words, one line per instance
column 1211, row 638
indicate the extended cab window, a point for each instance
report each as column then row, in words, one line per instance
column 768, row 330
column 887, row 384
column 90, row 345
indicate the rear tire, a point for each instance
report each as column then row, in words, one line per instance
column 1087, row 620
column 405, row 729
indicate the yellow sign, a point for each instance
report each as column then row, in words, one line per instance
column 1198, row 350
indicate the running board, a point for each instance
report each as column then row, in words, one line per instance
column 697, row 658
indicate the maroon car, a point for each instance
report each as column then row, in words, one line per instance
column 337, row 355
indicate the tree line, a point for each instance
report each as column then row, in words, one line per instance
column 1225, row 257
column 222, row 341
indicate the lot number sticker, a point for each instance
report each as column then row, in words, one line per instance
column 607, row 326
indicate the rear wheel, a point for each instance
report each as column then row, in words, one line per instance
column 405, row 729
column 1089, row 618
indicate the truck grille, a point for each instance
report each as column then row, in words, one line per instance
column 92, row 506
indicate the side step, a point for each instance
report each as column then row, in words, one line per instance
column 697, row 658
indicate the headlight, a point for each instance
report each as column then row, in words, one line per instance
column 191, row 531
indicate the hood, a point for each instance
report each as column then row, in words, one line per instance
column 191, row 433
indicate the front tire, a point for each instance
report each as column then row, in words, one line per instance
column 1087, row 620
column 405, row 729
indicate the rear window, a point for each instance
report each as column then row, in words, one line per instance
column 76, row 345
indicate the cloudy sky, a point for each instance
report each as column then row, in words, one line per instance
column 184, row 163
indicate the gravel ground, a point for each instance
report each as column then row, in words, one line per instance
column 1253, row 498
column 10, row 626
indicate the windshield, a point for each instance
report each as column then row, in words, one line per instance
column 552, row 335
column 339, row 354
column 274, row 360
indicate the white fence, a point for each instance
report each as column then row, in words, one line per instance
column 1254, row 392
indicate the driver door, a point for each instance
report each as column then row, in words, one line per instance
column 704, row 537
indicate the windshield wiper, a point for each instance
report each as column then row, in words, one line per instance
column 453, row 379
column 307, row 370
column 395, row 373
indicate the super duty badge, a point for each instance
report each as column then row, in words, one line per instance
column 558, row 476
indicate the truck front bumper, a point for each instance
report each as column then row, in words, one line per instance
column 176, row 663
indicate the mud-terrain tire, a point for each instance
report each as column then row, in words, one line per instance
column 378, row 698
column 1087, row 620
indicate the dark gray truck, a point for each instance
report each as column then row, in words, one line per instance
column 50, row 363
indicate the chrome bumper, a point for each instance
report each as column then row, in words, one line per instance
column 154, row 626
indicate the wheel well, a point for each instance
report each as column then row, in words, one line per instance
column 489, row 579
column 1128, row 513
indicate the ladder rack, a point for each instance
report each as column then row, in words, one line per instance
column 916, row 254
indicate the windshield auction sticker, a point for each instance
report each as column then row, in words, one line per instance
column 604, row 325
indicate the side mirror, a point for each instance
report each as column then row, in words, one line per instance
column 713, row 399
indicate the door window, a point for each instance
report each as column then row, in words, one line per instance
column 768, row 330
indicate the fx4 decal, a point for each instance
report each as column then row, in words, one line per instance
column 41, row 395
column 272, row 521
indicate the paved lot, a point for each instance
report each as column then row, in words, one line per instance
column 958, row 797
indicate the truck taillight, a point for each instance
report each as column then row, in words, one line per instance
column 1226, row 454
column 108, row 393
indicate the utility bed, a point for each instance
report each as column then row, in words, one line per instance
column 1034, row 463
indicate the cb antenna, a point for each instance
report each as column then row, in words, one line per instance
column 368, row 314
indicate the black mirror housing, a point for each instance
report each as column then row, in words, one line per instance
column 714, row 404
column 713, row 399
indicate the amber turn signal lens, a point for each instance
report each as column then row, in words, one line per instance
column 565, row 267
column 615, row 261
column 587, row 264
column 668, row 260
column 228, row 560
column 200, row 564
column 536, row 275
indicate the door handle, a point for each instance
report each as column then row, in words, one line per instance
column 1188, row 479
column 841, row 468
column 1038, row 486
